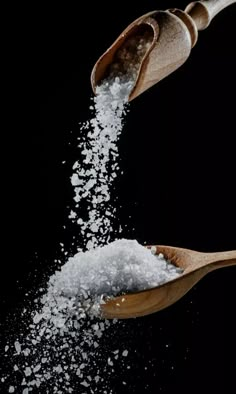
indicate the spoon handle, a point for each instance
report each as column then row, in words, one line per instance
column 202, row 12
column 221, row 259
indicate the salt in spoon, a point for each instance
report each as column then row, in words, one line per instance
column 174, row 33
column 195, row 266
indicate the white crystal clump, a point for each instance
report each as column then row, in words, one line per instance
column 121, row 266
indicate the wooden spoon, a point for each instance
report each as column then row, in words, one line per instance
column 174, row 32
column 195, row 265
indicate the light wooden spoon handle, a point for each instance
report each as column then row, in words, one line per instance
column 202, row 12
column 221, row 259
column 191, row 260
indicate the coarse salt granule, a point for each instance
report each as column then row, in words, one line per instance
column 125, row 353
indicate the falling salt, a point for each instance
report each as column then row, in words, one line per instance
column 63, row 342
column 94, row 176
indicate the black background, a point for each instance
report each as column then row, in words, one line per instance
column 178, row 157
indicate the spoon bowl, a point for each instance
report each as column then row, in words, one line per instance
column 195, row 266
column 175, row 33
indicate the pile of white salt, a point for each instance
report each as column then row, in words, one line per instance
column 64, row 342
column 119, row 267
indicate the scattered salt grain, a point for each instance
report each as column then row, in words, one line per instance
column 37, row 318
column 110, row 362
column 37, row 368
column 85, row 384
column 11, row 389
column 125, row 353
column 18, row 347
column 28, row 371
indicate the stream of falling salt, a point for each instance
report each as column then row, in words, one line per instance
column 93, row 176
column 62, row 350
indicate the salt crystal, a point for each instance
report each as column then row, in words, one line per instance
column 75, row 180
column 37, row 368
column 72, row 215
column 26, row 352
column 85, row 384
column 125, row 353
column 27, row 371
column 154, row 250
column 18, row 347
column 94, row 228
column 11, row 389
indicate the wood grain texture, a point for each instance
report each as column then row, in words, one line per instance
column 195, row 265
column 202, row 12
